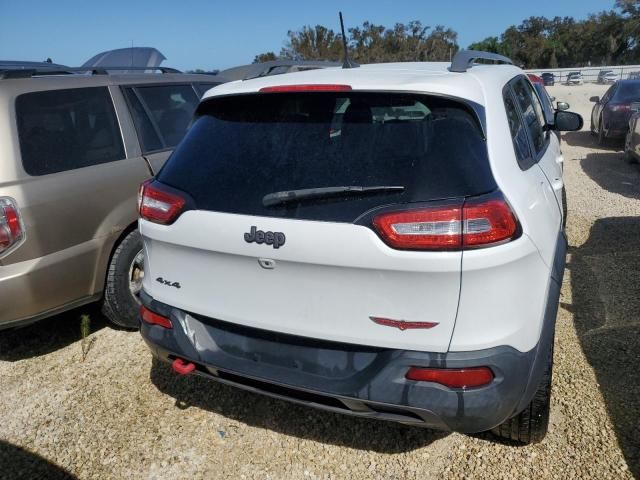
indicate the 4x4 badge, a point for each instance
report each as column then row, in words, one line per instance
column 276, row 239
column 168, row 283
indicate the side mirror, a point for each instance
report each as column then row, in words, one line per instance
column 595, row 99
column 553, row 99
column 568, row 121
column 562, row 106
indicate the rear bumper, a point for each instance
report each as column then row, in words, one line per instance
column 352, row 379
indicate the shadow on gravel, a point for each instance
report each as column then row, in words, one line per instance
column 613, row 173
column 49, row 334
column 290, row 419
column 605, row 274
column 17, row 463
column 583, row 138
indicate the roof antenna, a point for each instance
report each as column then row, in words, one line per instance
column 347, row 63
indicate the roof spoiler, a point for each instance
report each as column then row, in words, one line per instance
column 464, row 59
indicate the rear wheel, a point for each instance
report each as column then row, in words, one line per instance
column 124, row 282
column 531, row 425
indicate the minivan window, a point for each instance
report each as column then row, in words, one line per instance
column 147, row 132
column 67, row 129
column 171, row 109
column 242, row 148
column 202, row 88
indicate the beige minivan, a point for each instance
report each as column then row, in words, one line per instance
column 73, row 150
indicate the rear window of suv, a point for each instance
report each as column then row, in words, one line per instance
column 241, row 148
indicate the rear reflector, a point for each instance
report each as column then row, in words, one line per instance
column 477, row 223
column 153, row 318
column 157, row 204
column 12, row 231
column 452, row 377
column 402, row 324
column 306, row 88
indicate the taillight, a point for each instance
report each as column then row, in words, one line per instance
column 159, row 204
column 452, row 377
column 153, row 318
column 306, row 88
column 620, row 108
column 12, row 232
column 487, row 222
column 435, row 228
column 476, row 223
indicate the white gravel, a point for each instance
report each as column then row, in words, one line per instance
column 117, row 415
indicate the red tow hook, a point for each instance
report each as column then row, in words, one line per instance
column 182, row 366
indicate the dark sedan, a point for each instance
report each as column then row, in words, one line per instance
column 632, row 142
column 611, row 113
column 549, row 79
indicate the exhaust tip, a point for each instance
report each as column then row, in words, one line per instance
column 182, row 367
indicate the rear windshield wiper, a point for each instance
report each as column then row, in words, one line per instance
column 289, row 196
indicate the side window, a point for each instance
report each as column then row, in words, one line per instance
column 609, row 93
column 518, row 132
column 202, row 88
column 532, row 113
column 67, row 129
column 147, row 132
column 170, row 108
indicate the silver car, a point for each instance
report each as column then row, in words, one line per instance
column 74, row 147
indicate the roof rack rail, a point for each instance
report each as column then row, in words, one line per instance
column 263, row 69
column 464, row 59
column 41, row 71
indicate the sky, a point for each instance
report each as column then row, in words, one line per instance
column 217, row 35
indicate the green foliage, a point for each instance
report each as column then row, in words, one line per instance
column 609, row 37
column 370, row 44
column 85, row 330
column 606, row 38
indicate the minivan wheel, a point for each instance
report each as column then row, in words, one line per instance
column 124, row 282
column 531, row 425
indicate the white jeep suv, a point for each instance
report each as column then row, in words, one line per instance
column 384, row 241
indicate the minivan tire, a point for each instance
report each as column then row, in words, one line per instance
column 120, row 304
column 531, row 425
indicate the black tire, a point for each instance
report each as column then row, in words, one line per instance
column 121, row 304
column 531, row 425
column 602, row 137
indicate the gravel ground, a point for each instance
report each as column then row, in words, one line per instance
column 119, row 415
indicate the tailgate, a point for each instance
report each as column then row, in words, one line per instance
column 324, row 282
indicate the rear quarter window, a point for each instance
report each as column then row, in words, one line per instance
column 67, row 129
column 242, row 148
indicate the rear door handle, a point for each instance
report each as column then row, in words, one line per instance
column 557, row 184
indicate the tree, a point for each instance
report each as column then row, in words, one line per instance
column 265, row 57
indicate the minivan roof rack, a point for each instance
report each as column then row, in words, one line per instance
column 32, row 72
column 464, row 59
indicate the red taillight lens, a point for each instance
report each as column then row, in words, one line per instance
column 157, row 204
column 476, row 223
column 153, row 318
column 11, row 228
column 426, row 229
column 306, row 88
column 452, row 377
column 488, row 222
column 620, row 108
